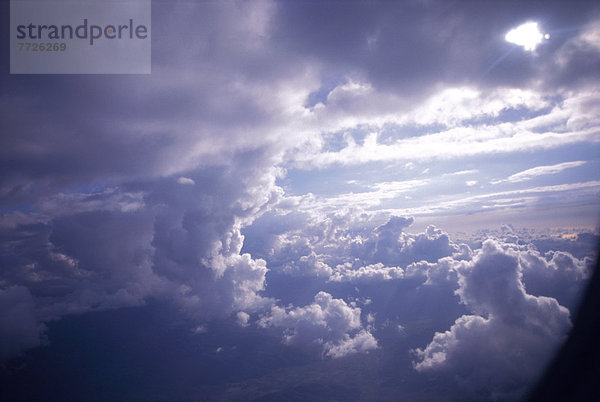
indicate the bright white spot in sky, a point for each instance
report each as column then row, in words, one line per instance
column 527, row 35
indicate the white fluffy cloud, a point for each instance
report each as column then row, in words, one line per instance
column 308, row 265
column 369, row 273
column 356, row 245
column 328, row 322
column 508, row 340
column 557, row 274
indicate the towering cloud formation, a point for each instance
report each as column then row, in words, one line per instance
column 175, row 241
column 508, row 340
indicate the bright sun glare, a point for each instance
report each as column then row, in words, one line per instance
column 527, row 35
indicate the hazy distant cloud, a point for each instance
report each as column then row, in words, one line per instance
column 540, row 171
column 525, row 197
column 110, row 199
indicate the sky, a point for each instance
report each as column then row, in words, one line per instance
column 314, row 200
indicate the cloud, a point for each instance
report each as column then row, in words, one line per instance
column 327, row 322
column 440, row 43
column 379, row 192
column 508, row 340
column 369, row 273
column 308, row 265
column 180, row 244
column 540, row 171
column 353, row 244
column 172, row 187
column 578, row 57
column 531, row 196
column 243, row 318
column 19, row 327
column 510, row 299
column 360, row 343
column 85, row 261
column 557, row 274
column 452, row 143
column 185, row 180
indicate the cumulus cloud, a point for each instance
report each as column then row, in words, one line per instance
column 557, row 274
column 243, row 318
column 373, row 272
column 86, row 254
column 308, row 265
column 355, row 245
column 359, row 343
column 506, row 343
column 328, row 322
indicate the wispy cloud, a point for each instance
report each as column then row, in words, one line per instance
column 539, row 171
column 503, row 199
column 571, row 121
column 378, row 192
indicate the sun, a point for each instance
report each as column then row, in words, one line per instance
column 527, row 35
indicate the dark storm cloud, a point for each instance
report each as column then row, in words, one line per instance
column 60, row 131
column 19, row 327
column 81, row 262
column 412, row 47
